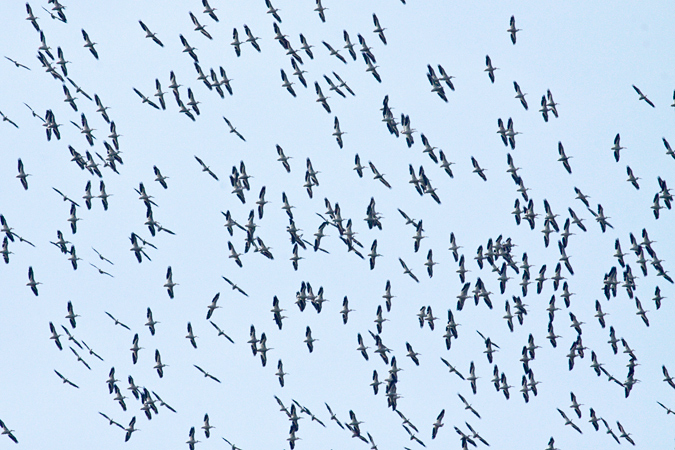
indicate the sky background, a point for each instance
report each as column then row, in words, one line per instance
column 588, row 55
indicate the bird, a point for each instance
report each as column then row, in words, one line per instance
column 337, row 133
column 190, row 336
column 55, row 337
column 407, row 271
column 512, row 31
column 668, row 410
column 17, row 64
column 320, row 9
column 149, row 34
column 88, row 44
column 643, row 97
column 321, row 98
column 412, row 354
column 373, row 254
column 169, row 282
column 252, row 39
column 71, row 315
column 31, row 281
column 379, row 30
column 519, row 94
column 632, row 179
column 287, row 84
column 8, row 120
column 191, row 441
column 199, row 27
column 490, row 69
column 438, row 424
column 280, row 373
column 145, row 99
column 272, row 10
column 309, row 340
column 569, row 421
column 134, row 349
column 617, row 147
column 117, row 322
column 22, row 175
column 233, row 129
column 206, row 169
column 207, row 427
column 477, row 169
column 206, row 374
column 564, row 158
column 377, row 175
column 623, row 434
column 66, row 380
column 575, row 405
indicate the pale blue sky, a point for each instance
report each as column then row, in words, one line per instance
column 587, row 55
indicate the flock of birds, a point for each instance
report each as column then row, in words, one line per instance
column 496, row 260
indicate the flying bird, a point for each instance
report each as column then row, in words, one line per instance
column 512, row 31
column 379, row 30
column 489, row 69
column 149, row 34
column 88, row 44
column 233, row 129
column 66, row 380
column 206, row 169
column 643, row 97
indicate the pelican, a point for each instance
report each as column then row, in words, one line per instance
column 379, row 30
column 7, row 119
column 287, row 84
column 56, row 337
column 88, row 44
column 412, row 354
column 348, row 45
column 5, row 251
column 71, row 315
column 69, row 98
column 207, row 427
column 321, row 98
column 272, row 10
column 377, row 175
column 33, row 19
column 103, row 195
column 22, row 175
column 362, row 348
column 337, row 133
column 145, row 99
column 233, row 254
column 519, row 94
column 66, row 380
column 206, row 169
column 150, row 34
column 31, row 281
column 191, row 335
column 252, row 39
column 206, row 374
column 489, row 69
column 320, row 9
column 617, row 147
column 477, row 169
column 643, row 97
column 437, row 424
column 233, row 129
column 512, row 31
column 199, row 27
column 130, row 429
column 187, row 48
column 407, row 271
column 309, row 340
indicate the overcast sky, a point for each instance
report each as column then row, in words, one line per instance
column 587, row 55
